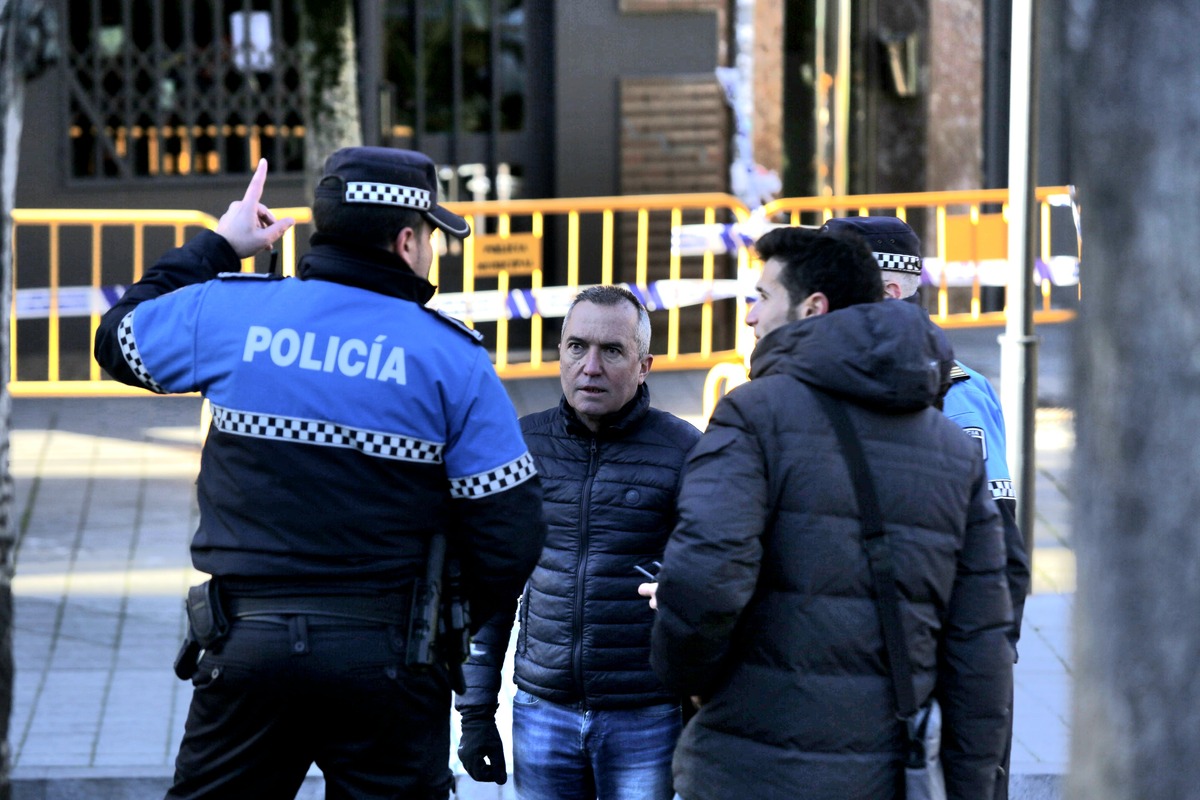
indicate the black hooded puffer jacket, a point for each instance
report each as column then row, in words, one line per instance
column 766, row 604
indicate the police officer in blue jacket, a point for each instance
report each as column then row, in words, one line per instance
column 971, row 402
column 355, row 435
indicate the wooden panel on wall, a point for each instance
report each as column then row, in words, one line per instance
column 674, row 135
column 674, row 140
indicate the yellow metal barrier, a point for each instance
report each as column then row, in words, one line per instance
column 535, row 215
column 500, row 218
column 961, row 232
column 94, row 221
column 593, row 239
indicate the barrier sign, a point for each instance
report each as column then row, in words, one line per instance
column 516, row 254
column 986, row 239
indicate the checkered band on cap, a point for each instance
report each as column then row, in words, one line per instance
column 133, row 358
column 329, row 434
column 899, row 263
column 388, row 194
column 496, row 480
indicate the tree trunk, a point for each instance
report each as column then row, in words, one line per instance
column 331, row 80
column 28, row 44
column 1135, row 118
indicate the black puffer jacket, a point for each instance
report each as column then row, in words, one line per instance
column 765, row 602
column 609, row 506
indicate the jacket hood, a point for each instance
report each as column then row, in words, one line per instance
column 885, row 355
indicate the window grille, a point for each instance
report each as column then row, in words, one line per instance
column 182, row 87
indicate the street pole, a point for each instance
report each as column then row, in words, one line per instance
column 12, row 107
column 369, row 35
column 1018, row 345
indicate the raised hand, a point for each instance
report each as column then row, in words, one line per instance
column 248, row 225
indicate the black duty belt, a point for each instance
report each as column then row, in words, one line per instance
column 385, row 610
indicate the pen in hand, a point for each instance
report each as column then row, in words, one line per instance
column 648, row 573
column 649, row 590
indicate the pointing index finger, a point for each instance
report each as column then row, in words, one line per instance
column 255, row 189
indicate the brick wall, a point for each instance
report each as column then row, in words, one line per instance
column 767, row 130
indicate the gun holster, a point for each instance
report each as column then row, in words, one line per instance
column 207, row 626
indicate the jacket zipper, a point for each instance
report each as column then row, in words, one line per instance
column 585, row 503
column 523, row 640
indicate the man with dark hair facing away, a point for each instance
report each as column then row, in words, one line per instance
column 766, row 600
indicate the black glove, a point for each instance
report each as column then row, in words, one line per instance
column 480, row 749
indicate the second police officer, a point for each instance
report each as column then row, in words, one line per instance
column 971, row 402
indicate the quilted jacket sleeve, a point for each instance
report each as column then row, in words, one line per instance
column 489, row 646
column 975, row 664
column 711, row 563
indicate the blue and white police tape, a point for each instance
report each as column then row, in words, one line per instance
column 718, row 238
column 478, row 306
column 1058, row 270
column 553, row 301
column 73, row 301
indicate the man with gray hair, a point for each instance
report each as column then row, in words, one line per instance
column 590, row 719
column 971, row 402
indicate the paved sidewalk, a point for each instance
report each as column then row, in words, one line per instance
column 106, row 507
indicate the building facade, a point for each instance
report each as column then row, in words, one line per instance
column 168, row 104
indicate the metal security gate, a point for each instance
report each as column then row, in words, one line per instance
column 470, row 83
column 158, row 88
column 186, row 90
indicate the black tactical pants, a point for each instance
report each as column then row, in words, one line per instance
column 285, row 692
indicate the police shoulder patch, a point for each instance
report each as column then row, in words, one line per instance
column 239, row 276
column 457, row 324
column 980, row 437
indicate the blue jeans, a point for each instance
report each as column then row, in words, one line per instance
column 565, row 753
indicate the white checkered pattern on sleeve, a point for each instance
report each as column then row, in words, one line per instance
column 899, row 263
column 388, row 194
column 329, row 434
column 133, row 358
column 495, row 480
